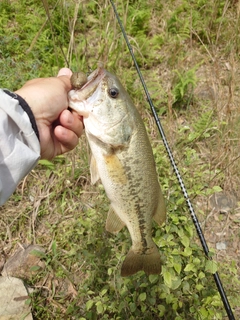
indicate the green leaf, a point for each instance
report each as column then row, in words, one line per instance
column 199, row 287
column 217, row 189
column 90, row 292
column 38, row 253
column 176, row 283
column 211, row 266
column 177, row 267
column 54, row 248
column 35, row 268
column 143, row 307
column 100, row 308
column 153, row 278
column 190, row 267
column 167, row 279
column 162, row 310
column 201, row 275
column 46, row 163
column 204, row 312
column 89, row 304
column 185, row 241
column 142, row 296
column 132, row 307
column 187, row 252
column 28, row 301
column 196, row 261
column 103, row 292
column 186, row 286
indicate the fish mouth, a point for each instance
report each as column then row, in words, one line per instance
column 90, row 86
column 78, row 98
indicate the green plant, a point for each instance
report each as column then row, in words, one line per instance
column 183, row 88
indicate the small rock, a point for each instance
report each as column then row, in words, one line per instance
column 21, row 263
column 221, row 246
column 223, row 202
column 13, row 296
column 205, row 92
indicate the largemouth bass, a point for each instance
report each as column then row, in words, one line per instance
column 122, row 158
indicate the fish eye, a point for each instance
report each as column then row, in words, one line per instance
column 113, row 93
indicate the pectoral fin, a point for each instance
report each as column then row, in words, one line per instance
column 160, row 213
column 113, row 224
column 94, row 170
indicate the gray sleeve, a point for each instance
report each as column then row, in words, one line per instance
column 19, row 144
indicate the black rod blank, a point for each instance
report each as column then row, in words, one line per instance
column 175, row 168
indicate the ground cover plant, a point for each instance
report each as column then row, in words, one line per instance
column 188, row 52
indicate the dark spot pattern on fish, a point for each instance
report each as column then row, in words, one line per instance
column 139, row 205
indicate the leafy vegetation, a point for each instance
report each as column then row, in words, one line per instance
column 188, row 52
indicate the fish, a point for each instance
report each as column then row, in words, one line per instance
column 122, row 158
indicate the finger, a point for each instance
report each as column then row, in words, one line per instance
column 71, row 121
column 67, row 139
column 66, row 80
column 64, row 72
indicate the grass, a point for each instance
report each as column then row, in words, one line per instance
column 188, row 52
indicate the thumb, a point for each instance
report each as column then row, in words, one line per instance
column 64, row 72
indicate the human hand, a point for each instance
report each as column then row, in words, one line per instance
column 59, row 129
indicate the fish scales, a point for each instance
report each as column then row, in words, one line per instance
column 122, row 158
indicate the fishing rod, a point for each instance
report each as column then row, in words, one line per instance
column 175, row 168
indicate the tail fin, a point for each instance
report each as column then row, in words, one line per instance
column 149, row 262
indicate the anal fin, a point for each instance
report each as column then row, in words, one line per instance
column 113, row 224
column 160, row 213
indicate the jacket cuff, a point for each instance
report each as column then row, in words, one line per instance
column 26, row 108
